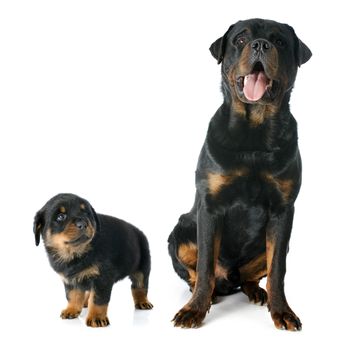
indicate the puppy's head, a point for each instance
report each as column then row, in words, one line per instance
column 67, row 224
column 259, row 60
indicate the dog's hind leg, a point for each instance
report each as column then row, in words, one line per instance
column 139, row 290
column 139, row 279
column 250, row 275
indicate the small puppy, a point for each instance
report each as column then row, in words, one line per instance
column 91, row 252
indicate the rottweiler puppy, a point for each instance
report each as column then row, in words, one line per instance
column 247, row 179
column 91, row 252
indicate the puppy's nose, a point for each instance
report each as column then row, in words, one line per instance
column 81, row 224
column 260, row 45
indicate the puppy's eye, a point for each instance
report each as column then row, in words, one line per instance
column 241, row 40
column 61, row 217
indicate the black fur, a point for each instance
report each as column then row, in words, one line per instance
column 92, row 251
column 247, row 179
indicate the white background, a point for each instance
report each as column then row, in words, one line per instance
column 111, row 101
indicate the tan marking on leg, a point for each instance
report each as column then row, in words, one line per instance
column 75, row 304
column 187, row 254
column 140, row 299
column 254, row 270
column 270, row 248
column 97, row 314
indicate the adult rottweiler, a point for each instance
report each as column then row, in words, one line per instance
column 91, row 252
column 247, row 179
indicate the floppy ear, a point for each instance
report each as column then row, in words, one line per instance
column 39, row 223
column 217, row 48
column 97, row 221
column 303, row 53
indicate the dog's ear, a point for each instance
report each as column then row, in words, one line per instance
column 97, row 221
column 39, row 223
column 301, row 51
column 217, row 48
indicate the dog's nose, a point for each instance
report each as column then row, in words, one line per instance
column 260, row 45
column 81, row 224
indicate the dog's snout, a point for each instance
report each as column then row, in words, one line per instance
column 81, row 224
column 260, row 45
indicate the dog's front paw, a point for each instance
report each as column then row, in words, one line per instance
column 189, row 317
column 97, row 321
column 286, row 319
column 70, row 313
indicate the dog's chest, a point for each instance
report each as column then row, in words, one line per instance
column 248, row 187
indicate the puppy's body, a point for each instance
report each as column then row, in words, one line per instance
column 247, row 179
column 91, row 252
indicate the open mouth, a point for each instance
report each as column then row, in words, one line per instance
column 256, row 84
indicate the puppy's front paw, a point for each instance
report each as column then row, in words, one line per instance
column 97, row 321
column 70, row 313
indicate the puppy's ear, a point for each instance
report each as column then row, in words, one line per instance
column 301, row 51
column 39, row 223
column 97, row 221
column 217, row 48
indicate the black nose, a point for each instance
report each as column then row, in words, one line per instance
column 260, row 45
column 81, row 224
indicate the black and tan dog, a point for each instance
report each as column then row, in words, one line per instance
column 248, row 177
column 91, row 252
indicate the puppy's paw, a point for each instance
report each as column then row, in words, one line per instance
column 140, row 299
column 144, row 305
column 97, row 321
column 70, row 313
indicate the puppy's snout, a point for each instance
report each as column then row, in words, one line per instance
column 81, row 224
column 260, row 45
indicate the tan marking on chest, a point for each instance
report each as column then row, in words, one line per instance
column 89, row 272
column 216, row 180
column 58, row 242
column 284, row 186
column 260, row 113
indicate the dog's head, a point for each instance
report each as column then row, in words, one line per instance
column 67, row 224
column 259, row 59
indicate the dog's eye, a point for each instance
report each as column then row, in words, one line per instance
column 241, row 40
column 61, row 217
column 279, row 42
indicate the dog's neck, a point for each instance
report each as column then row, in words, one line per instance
column 254, row 114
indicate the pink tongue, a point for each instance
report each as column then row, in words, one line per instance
column 254, row 86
